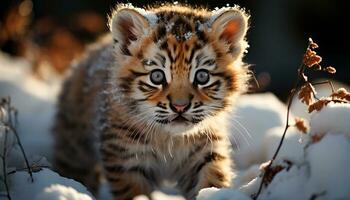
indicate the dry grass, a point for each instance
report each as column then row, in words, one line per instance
column 8, row 123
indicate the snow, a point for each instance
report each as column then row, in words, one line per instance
column 292, row 148
column 60, row 192
column 329, row 162
column 46, row 184
column 333, row 117
column 221, row 194
column 319, row 167
column 324, row 173
column 251, row 187
column 169, row 26
column 150, row 16
column 254, row 116
column 35, row 100
column 157, row 195
column 218, row 11
column 188, row 35
column 287, row 182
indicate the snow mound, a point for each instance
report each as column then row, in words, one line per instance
column 34, row 99
column 254, row 116
column 45, row 185
column 292, row 148
column 329, row 162
column 60, row 192
column 335, row 117
column 318, row 168
column 287, row 184
column 324, row 173
column 221, row 194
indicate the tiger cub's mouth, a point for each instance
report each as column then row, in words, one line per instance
column 180, row 119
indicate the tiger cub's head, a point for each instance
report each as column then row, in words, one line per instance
column 178, row 66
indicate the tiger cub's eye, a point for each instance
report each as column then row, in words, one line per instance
column 202, row 76
column 157, row 77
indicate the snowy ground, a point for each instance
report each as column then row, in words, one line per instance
column 311, row 166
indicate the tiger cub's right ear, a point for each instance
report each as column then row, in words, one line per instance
column 127, row 25
column 231, row 27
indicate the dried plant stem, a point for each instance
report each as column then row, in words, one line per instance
column 12, row 112
column 290, row 100
column 4, row 166
column 10, row 127
column 324, row 82
column 25, row 168
column 23, row 153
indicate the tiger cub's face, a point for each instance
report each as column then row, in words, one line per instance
column 178, row 66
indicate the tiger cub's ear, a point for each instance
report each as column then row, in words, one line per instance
column 127, row 25
column 231, row 27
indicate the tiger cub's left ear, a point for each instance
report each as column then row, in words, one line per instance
column 231, row 27
column 127, row 25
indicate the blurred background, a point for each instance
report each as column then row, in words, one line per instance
column 50, row 34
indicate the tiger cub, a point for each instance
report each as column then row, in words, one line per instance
column 150, row 101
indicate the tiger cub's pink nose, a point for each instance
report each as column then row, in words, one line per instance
column 180, row 105
column 179, row 108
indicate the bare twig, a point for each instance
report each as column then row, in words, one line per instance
column 290, row 100
column 324, row 82
column 9, row 121
column 10, row 124
column 23, row 153
column 12, row 112
column 34, row 168
column 4, row 165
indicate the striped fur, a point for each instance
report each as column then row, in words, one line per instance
column 111, row 112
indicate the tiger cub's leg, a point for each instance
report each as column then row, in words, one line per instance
column 125, row 166
column 75, row 155
column 127, row 185
column 212, row 168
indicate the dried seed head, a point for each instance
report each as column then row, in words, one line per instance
column 311, row 58
column 300, row 125
column 341, row 93
column 306, row 94
column 271, row 171
column 316, row 137
column 312, row 44
column 330, row 70
column 270, row 174
column 318, row 105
